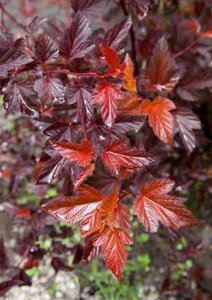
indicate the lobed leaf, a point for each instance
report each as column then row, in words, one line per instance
column 112, row 242
column 159, row 116
column 106, row 95
column 74, row 43
column 81, row 153
column 153, row 206
column 119, row 154
column 187, row 122
column 161, row 74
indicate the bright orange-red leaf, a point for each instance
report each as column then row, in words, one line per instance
column 154, row 206
column 83, row 175
column 120, row 154
column 129, row 79
column 75, row 208
column 81, row 153
column 112, row 242
column 159, row 116
column 161, row 74
column 128, row 105
column 109, row 204
column 115, row 67
column 106, row 95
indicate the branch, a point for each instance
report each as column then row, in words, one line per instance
column 186, row 49
column 132, row 37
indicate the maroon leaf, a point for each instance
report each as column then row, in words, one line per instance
column 4, row 261
column 114, row 36
column 81, row 94
column 186, row 122
column 45, row 49
column 141, row 7
column 20, row 96
column 161, row 74
column 50, row 90
column 89, row 8
column 11, row 54
column 187, row 89
column 74, row 44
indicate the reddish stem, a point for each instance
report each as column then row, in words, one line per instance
column 186, row 49
column 86, row 74
column 132, row 37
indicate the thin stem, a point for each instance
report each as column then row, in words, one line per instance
column 186, row 49
column 132, row 37
column 12, row 18
column 88, row 74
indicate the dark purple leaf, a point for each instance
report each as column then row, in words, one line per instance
column 11, row 54
column 186, row 122
column 89, row 8
column 20, row 96
column 74, row 43
column 140, row 7
column 4, row 262
column 114, row 36
column 80, row 93
column 45, row 49
column 50, row 90
column 187, row 90
column 126, row 123
column 61, row 131
column 59, row 264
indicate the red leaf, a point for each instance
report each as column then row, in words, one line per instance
column 161, row 74
column 115, row 68
column 75, row 208
column 81, row 153
column 112, row 241
column 160, row 118
column 187, row 121
column 74, row 43
column 154, row 205
column 23, row 212
column 83, row 175
column 106, row 95
column 119, row 154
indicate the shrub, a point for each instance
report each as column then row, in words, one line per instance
column 113, row 108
